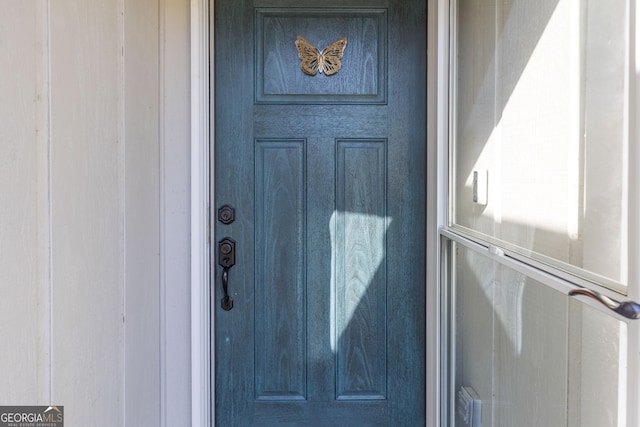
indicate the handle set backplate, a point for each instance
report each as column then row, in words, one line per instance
column 226, row 259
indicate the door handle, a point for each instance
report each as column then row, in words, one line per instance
column 226, row 259
column 628, row 309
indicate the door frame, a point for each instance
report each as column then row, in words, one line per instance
column 202, row 123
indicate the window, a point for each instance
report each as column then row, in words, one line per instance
column 541, row 114
column 542, row 201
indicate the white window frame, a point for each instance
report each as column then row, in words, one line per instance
column 547, row 275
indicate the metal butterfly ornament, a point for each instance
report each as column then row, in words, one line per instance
column 326, row 61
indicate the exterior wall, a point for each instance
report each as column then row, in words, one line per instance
column 94, row 211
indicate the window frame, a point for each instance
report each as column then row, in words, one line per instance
column 443, row 63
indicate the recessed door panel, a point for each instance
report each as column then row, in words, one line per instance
column 361, row 79
column 280, row 297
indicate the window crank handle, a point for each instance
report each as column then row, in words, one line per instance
column 628, row 309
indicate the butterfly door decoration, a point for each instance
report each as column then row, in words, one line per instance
column 314, row 61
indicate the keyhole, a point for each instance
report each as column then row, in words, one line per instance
column 225, row 248
column 226, row 214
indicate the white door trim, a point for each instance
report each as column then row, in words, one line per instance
column 202, row 351
column 201, row 321
column 437, row 172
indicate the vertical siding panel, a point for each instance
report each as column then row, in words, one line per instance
column 86, row 206
column 175, row 105
column 24, row 235
column 142, row 223
column 94, row 175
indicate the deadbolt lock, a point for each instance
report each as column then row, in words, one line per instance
column 226, row 214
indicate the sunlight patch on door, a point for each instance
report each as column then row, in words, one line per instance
column 358, row 277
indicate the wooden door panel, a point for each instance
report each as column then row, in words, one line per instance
column 280, row 286
column 360, row 290
column 327, row 177
column 361, row 80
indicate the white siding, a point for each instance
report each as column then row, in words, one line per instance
column 24, row 224
column 94, row 211
column 175, row 224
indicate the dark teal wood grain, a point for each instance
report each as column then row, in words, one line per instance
column 280, row 284
column 362, row 78
column 360, row 246
column 328, row 183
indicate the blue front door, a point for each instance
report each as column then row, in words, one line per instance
column 321, row 154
